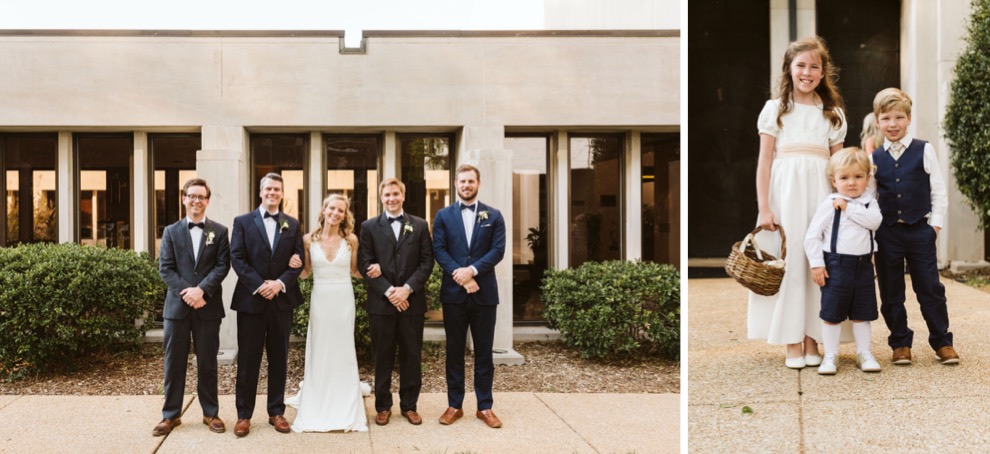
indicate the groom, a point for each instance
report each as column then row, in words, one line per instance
column 396, row 259
column 468, row 241
column 263, row 243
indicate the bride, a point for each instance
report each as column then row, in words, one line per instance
column 330, row 396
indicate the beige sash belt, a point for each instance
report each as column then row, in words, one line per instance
column 794, row 150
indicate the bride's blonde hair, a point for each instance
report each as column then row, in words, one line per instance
column 346, row 225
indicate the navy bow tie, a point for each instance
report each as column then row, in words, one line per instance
column 201, row 225
column 468, row 207
column 399, row 218
column 273, row 216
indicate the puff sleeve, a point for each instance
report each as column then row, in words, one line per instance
column 767, row 123
column 838, row 135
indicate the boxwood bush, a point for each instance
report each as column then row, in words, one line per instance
column 60, row 302
column 615, row 308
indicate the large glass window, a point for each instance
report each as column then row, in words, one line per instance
column 425, row 162
column 28, row 182
column 105, row 162
column 530, row 206
column 174, row 159
column 661, row 160
column 595, row 212
column 352, row 170
column 284, row 154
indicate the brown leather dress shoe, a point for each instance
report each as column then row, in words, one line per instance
column 165, row 427
column 902, row 356
column 281, row 425
column 242, row 428
column 382, row 417
column 215, row 424
column 947, row 355
column 488, row 416
column 413, row 417
column 452, row 414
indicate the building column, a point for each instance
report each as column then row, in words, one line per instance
column 141, row 215
column 633, row 195
column 780, row 32
column 223, row 163
column 484, row 148
column 67, row 189
column 317, row 180
column 390, row 156
column 559, row 175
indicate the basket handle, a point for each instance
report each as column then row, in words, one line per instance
column 751, row 237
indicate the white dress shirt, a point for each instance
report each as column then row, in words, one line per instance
column 396, row 226
column 196, row 234
column 940, row 199
column 270, row 226
column 855, row 224
column 469, row 217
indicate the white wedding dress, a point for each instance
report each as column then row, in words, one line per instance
column 330, row 396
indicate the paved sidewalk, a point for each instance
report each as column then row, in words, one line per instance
column 532, row 422
column 923, row 407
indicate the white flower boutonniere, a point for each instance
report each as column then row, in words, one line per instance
column 407, row 227
column 209, row 237
column 283, row 226
column 483, row 215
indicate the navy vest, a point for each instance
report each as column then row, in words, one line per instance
column 903, row 187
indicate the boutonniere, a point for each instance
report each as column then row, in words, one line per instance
column 483, row 215
column 283, row 226
column 407, row 227
column 209, row 237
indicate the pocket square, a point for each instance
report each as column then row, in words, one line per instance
column 485, row 225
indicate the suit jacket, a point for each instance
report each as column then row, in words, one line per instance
column 254, row 261
column 180, row 270
column 451, row 250
column 408, row 260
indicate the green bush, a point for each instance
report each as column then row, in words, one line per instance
column 968, row 113
column 615, row 308
column 59, row 302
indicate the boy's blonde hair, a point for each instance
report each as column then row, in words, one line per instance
column 849, row 157
column 891, row 99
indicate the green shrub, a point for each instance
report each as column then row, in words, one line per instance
column 59, row 302
column 615, row 308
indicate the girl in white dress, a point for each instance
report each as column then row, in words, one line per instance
column 330, row 396
column 798, row 133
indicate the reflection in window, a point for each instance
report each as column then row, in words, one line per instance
column 284, row 154
column 529, row 237
column 27, row 166
column 105, row 189
column 595, row 229
column 661, row 198
column 352, row 170
column 426, row 173
column 174, row 163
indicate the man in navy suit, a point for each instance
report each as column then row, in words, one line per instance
column 194, row 259
column 468, row 241
column 262, row 245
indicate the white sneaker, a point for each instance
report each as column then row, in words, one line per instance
column 866, row 362
column 812, row 360
column 829, row 365
column 794, row 363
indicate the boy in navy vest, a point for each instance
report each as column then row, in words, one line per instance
column 912, row 197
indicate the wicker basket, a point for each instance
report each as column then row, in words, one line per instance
column 748, row 265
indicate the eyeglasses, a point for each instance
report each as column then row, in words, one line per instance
column 197, row 198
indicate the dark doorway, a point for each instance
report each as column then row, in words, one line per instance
column 864, row 40
column 728, row 83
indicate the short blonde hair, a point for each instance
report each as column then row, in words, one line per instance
column 891, row 99
column 389, row 182
column 849, row 157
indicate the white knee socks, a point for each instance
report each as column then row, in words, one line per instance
column 830, row 338
column 861, row 332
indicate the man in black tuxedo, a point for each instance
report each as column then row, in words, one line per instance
column 262, row 245
column 396, row 258
column 468, row 241
column 194, row 259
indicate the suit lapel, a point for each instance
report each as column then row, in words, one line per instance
column 259, row 222
column 386, row 229
column 278, row 232
column 454, row 218
column 202, row 243
column 184, row 240
column 402, row 232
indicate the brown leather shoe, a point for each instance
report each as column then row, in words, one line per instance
column 488, row 416
column 382, row 417
column 215, row 424
column 902, row 356
column 280, row 423
column 452, row 414
column 242, row 428
column 413, row 417
column 947, row 355
column 165, row 427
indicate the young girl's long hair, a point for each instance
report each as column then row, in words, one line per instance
column 346, row 226
column 826, row 89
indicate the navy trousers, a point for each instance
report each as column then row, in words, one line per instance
column 914, row 244
column 206, row 341
column 456, row 320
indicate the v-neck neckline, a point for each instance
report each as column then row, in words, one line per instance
column 326, row 256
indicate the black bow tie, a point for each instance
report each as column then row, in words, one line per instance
column 273, row 216
column 201, row 225
column 399, row 218
column 468, row 207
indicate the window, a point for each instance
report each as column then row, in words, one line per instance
column 595, row 230
column 28, row 181
column 352, row 170
column 661, row 162
column 105, row 162
column 530, row 205
column 174, row 158
column 425, row 162
column 284, row 154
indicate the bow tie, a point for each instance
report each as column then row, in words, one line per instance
column 273, row 216
column 398, row 218
column 468, row 207
column 201, row 225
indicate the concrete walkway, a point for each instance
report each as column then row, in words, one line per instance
column 923, row 407
column 532, row 422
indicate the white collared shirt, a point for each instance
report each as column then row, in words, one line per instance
column 940, row 199
column 469, row 217
column 270, row 226
column 396, row 226
column 196, row 234
column 855, row 224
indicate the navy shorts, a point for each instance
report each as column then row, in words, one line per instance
column 849, row 292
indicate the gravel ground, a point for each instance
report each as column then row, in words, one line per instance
column 550, row 367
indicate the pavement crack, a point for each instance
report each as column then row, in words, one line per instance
column 569, row 426
column 800, row 413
